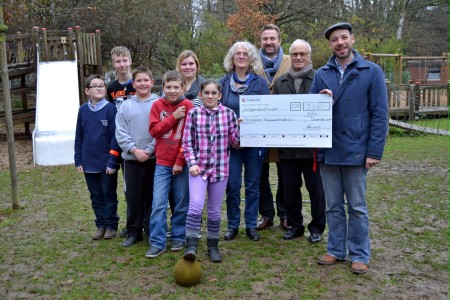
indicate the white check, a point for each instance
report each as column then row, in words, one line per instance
column 299, row 121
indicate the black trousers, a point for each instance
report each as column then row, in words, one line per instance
column 138, row 177
column 292, row 170
column 266, row 208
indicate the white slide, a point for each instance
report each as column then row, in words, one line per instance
column 57, row 103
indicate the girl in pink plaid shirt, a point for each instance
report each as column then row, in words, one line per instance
column 210, row 130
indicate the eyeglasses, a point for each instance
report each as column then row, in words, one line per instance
column 239, row 54
column 98, row 87
column 213, row 93
column 301, row 54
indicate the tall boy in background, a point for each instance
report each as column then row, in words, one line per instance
column 138, row 154
column 96, row 155
column 120, row 89
column 167, row 120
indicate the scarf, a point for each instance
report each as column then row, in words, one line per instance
column 271, row 66
column 244, row 83
column 299, row 76
column 192, row 93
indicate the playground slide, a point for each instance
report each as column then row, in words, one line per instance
column 57, row 103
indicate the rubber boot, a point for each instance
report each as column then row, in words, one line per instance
column 191, row 248
column 213, row 250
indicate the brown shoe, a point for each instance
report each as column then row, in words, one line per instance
column 264, row 223
column 110, row 234
column 327, row 260
column 99, row 234
column 359, row 268
column 284, row 224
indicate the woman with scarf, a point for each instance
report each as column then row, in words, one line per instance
column 297, row 161
column 189, row 67
column 242, row 64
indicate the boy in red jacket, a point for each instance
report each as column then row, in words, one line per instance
column 167, row 120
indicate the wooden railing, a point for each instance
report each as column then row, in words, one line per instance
column 411, row 100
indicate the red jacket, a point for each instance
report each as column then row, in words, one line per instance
column 168, row 131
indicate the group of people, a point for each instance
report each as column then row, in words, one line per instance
column 183, row 147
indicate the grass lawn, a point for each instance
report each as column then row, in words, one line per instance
column 47, row 251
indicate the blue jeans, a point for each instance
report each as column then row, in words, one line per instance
column 164, row 182
column 103, row 190
column 252, row 159
column 354, row 232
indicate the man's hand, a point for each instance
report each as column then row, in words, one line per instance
column 371, row 162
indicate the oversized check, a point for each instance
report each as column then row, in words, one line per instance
column 303, row 120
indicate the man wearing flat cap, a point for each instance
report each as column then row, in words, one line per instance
column 360, row 124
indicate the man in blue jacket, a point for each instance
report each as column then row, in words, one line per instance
column 360, row 124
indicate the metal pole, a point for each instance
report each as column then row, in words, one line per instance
column 8, row 113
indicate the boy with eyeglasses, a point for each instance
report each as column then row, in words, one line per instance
column 96, row 155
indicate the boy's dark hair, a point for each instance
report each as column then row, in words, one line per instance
column 144, row 70
column 210, row 81
column 173, row 76
column 88, row 80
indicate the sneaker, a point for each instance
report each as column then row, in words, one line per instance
column 110, row 234
column 99, row 234
column 199, row 235
column 153, row 252
column 177, row 245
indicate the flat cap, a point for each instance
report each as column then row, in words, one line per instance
column 340, row 25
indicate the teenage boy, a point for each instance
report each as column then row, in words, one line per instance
column 138, row 154
column 96, row 155
column 120, row 89
column 167, row 120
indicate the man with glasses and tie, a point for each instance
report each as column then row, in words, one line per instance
column 297, row 161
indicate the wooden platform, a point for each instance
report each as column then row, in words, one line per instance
column 405, row 111
column 408, row 126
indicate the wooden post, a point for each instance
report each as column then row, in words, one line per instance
column 46, row 54
column 8, row 113
column 98, row 45
column 36, row 46
column 81, row 59
column 71, row 41
column 448, row 96
column 417, row 98
column 388, row 88
column 399, row 62
column 411, row 98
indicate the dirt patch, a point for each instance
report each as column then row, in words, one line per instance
column 23, row 145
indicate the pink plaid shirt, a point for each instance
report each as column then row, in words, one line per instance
column 207, row 137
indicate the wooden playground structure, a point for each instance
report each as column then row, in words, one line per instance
column 418, row 87
column 49, row 45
